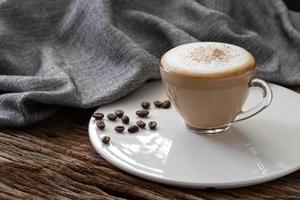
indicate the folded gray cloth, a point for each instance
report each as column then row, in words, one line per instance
column 85, row 53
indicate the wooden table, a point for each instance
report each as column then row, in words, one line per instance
column 55, row 160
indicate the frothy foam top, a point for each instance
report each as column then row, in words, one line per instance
column 207, row 58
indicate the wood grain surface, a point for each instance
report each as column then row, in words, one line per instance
column 55, row 160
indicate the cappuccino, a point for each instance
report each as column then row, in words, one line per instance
column 207, row 59
column 208, row 83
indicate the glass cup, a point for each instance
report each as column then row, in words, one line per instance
column 211, row 104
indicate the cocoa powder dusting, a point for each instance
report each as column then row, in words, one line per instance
column 210, row 54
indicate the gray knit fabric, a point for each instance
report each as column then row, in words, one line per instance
column 85, row 53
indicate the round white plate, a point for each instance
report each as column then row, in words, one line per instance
column 257, row 150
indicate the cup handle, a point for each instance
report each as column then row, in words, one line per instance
column 267, row 99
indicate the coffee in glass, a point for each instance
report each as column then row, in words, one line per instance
column 208, row 83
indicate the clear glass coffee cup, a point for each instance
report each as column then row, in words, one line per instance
column 210, row 101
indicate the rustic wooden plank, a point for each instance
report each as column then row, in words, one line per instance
column 54, row 160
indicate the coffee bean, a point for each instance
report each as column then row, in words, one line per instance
column 98, row 115
column 105, row 139
column 125, row 119
column 145, row 105
column 142, row 113
column 133, row 129
column 157, row 104
column 152, row 124
column 119, row 113
column 100, row 124
column 112, row 116
column 119, row 128
column 140, row 124
column 166, row 104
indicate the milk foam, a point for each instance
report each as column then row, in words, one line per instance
column 206, row 58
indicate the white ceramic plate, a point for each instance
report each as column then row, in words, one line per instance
column 257, row 150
